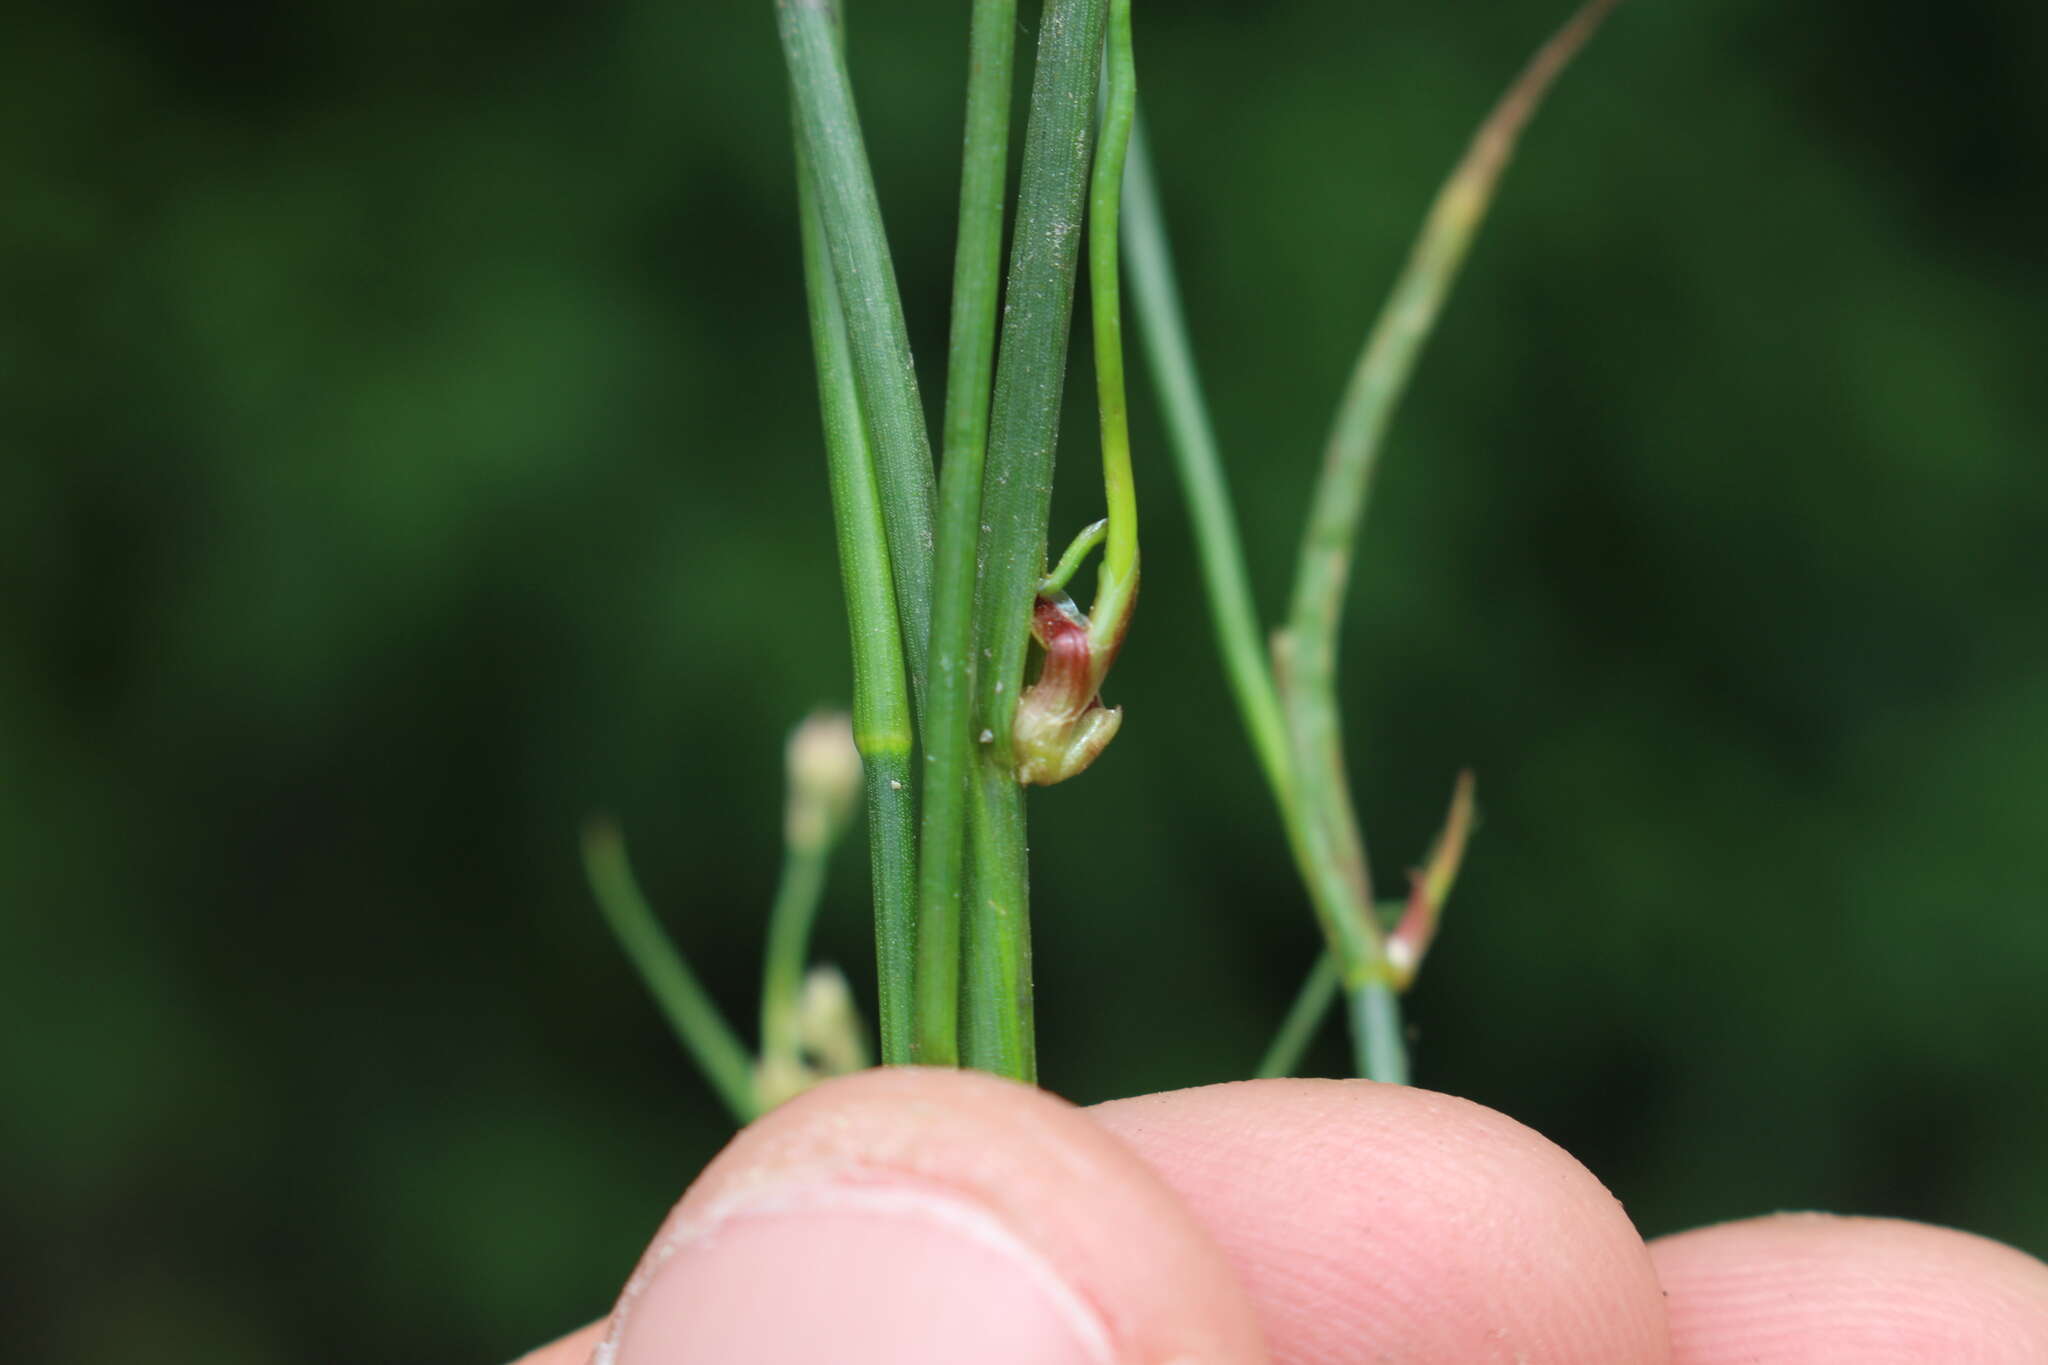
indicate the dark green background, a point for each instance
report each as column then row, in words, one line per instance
column 412, row 449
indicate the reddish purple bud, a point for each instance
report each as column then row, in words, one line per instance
column 1061, row 722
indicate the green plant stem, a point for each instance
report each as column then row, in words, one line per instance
column 948, row 741
column 1378, row 1037
column 1383, row 368
column 790, row 918
column 1091, row 536
column 1327, row 826
column 1309, row 694
column 1016, row 497
column 1334, row 883
column 828, row 129
column 1031, row 371
column 698, row 1025
column 882, row 724
column 892, row 855
column 996, row 1026
column 1116, row 583
column 978, row 255
column 1311, row 1006
column 1326, row 830
column 1192, row 439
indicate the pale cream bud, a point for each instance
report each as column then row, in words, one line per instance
column 829, row 1025
column 824, row 779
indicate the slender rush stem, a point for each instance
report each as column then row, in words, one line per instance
column 1321, row 826
column 1031, row 373
column 698, row 1025
column 882, row 728
column 828, row 129
column 948, row 741
column 1116, row 584
column 789, row 942
column 978, row 256
column 1311, row 1006
column 1377, row 1036
column 1334, row 883
column 997, row 1032
column 1327, row 831
column 1383, row 368
column 1016, row 502
column 1304, row 1017
column 1309, row 695
column 1193, row 441
column 1091, row 536
column 892, row 854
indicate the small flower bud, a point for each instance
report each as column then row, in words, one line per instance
column 828, row 1023
column 1061, row 723
column 824, row 779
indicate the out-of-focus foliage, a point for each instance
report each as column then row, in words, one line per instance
column 411, row 448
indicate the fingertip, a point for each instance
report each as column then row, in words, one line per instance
column 914, row 1215
column 1809, row 1288
column 573, row 1349
column 1368, row 1218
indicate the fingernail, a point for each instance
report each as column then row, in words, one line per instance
column 852, row 1274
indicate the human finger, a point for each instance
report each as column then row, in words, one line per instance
column 574, row 1349
column 1812, row 1289
column 1374, row 1222
column 915, row 1216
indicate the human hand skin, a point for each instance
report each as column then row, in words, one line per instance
column 918, row 1217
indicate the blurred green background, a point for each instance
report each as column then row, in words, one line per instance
column 414, row 451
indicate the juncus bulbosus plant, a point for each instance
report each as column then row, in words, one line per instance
column 975, row 674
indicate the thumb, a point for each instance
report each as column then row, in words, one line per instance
column 911, row 1216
